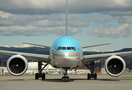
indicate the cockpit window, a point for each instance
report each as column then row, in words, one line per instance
column 66, row 48
column 58, row 48
column 63, row 48
column 73, row 48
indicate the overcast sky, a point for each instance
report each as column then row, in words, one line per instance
column 90, row 22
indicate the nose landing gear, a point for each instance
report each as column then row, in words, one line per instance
column 65, row 78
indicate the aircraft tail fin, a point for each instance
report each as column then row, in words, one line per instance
column 66, row 30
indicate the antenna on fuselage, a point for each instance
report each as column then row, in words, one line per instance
column 66, row 31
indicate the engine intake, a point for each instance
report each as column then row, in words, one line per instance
column 115, row 66
column 17, row 65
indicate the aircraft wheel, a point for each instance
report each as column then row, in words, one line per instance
column 88, row 76
column 68, row 79
column 65, row 79
column 36, row 76
column 43, row 76
column 95, row 76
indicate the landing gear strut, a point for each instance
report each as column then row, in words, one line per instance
column 40, row 74
column 91, row 68
column 65, row 78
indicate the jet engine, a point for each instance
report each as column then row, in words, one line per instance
column 115, row 66
column 17, row 65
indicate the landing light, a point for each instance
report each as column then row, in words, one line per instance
column 66, row 54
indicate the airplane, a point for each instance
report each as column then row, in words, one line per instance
column 66, row 53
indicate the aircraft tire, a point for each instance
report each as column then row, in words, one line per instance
column 36, row 76
column 65, row 79
column 88, row 76
column 95, row 76
column 43, row 76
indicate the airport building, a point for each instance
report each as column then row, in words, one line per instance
column 3, row 70
column 33, row 68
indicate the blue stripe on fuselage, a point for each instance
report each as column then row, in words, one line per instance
column 66, row 41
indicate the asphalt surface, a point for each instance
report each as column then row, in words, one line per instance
column 77, row 82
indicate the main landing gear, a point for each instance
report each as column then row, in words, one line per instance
column 65, row 78
column 91, row 68
column 40, row 74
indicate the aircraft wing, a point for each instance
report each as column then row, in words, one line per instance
column 36, row 57
column 37, row 45
column 96, row 57
column 95, row 45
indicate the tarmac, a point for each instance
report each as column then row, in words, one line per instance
column 77, row 82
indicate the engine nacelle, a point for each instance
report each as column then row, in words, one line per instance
column 115, row 66
column 17, row 65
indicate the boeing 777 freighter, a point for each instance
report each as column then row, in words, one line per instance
column 67, row 53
